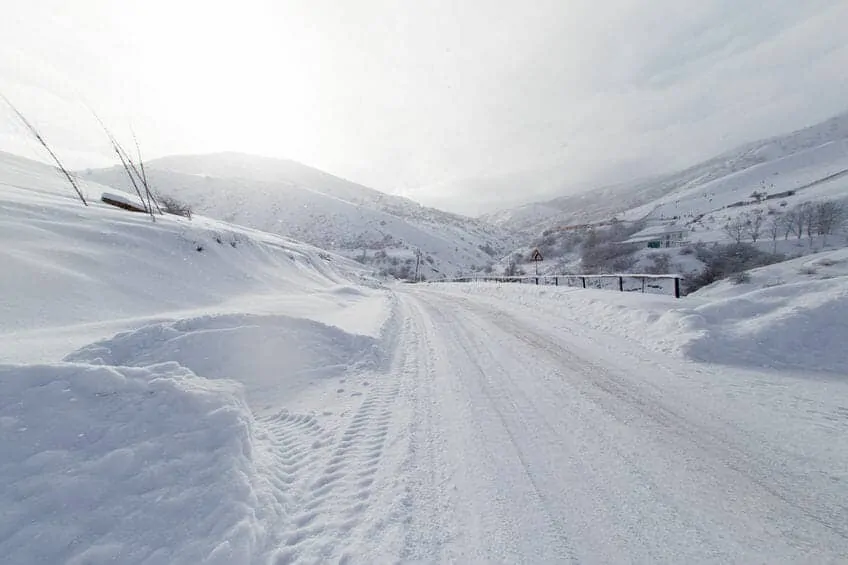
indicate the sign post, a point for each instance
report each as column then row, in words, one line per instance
column 537, row 257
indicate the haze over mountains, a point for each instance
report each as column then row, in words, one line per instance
column 784, row 162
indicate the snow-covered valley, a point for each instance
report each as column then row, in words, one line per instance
column 191, row 391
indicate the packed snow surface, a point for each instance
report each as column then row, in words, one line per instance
column 271, row 404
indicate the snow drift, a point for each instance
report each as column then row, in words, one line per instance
column 126, row 465
column 275, row 357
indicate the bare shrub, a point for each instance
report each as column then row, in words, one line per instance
column 722, row 261
column 735, row 229
column 513, row 269
column 661, row 264
column 608, row 258
column 172, row 205
column 829, row 216
column 742, row 277
column 754, row 224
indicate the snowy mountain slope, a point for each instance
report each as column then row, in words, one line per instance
column 290, row 199
column 814, row 173
column 71, row 272
column 777, row 164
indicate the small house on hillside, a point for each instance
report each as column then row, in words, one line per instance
column 656, row 237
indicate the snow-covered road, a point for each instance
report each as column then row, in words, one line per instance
column 420, row 424
column 533, row 446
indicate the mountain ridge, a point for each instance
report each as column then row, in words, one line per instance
column 595, row 204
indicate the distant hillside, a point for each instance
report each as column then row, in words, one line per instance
column 294, row 200
column 816, row 154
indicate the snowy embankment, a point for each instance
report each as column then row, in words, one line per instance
column 792, row 315
column 113, row 464
column 166, row 443
column 115, row 455
column 73, row 274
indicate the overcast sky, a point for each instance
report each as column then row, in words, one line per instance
column 468, row 104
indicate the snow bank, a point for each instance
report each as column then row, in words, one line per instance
column 791, row 316
column 125, row 465
column 275, row 357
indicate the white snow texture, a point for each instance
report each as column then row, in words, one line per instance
column 189, row 391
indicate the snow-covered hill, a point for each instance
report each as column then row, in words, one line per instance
column 67, row 267
column 294, row 200
column 813, row 160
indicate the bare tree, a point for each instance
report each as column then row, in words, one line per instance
column 736, row 229
column 797, row 219
column 172, row 205
column 786, row 225
column 829, row 216
column 754, row 224
column 809, row 213
column 774, row 227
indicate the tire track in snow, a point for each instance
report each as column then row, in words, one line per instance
column 293, row 448
column 427, row 502
column 474, row 495
column 336, row 493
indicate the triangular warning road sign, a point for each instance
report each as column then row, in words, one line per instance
column 536, row 255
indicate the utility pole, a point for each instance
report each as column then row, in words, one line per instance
column 417, row 264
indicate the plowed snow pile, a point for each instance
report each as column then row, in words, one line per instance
column 165, row 435
column 275, row 357
column 126, row 465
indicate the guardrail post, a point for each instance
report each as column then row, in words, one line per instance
column 584, row 281
column 621, row 284
column 556, row 281
column 677, row 287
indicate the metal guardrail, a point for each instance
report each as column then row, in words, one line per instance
column 643, row 281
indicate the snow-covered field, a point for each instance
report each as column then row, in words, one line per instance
column 270, row 403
